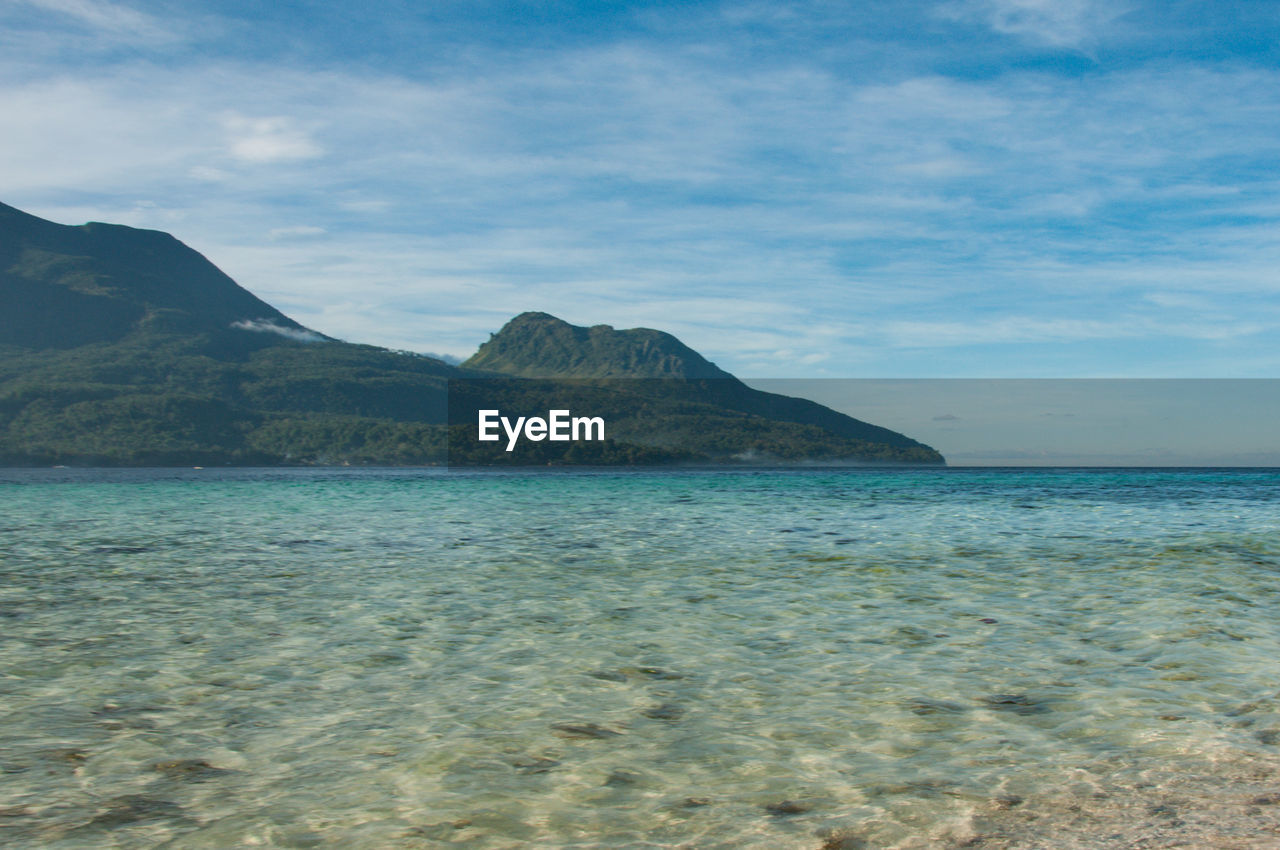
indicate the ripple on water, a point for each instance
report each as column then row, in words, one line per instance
column 683, row 659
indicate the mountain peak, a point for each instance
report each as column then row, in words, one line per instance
column 67, row 285
column 539, row 345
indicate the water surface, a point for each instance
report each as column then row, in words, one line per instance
column 710, row 659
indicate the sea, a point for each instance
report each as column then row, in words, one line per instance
column 823, row 659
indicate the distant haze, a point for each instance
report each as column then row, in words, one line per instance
column 1086, row 422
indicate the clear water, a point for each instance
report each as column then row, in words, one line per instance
column 709, row 659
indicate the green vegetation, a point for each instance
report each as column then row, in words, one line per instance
column 688, row 421
column 155, row 401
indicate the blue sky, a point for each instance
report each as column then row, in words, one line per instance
column 961, row 188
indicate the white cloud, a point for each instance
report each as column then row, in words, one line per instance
column 268, row 326
column 1060, row 23
column 208, row 173
column 113, row 18
column 300, row 231
column 273, row 139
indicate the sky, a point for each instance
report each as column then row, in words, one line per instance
column 945, row 189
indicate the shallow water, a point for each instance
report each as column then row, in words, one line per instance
column 711, row 659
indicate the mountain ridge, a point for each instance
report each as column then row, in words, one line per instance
column 121, row 346
column 67, row 285
column 540, row 345
column 601, row 352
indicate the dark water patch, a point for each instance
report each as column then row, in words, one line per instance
column 1015, row 703
column 69, row 755
column 842, row 840
column 935, row 706
column 584, row 730
column 787, row 808
column 664, row 711
column 910, row 636
column 623, row 778
column 925, row 788
column 441, row 831
column 652, row 672
column 115, row 710
column 131, row 809
column 608, row 675
column 386, row 659
column 534, row 764
column 189, row 770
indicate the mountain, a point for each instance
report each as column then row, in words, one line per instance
column 121, row 346
column 538, row 345
column 64, row 286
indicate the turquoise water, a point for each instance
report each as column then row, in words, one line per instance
column 709, row 659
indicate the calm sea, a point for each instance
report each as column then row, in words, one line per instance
column 616, row 659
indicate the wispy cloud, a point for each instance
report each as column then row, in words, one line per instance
column 270, row 327
column 297, row 231
column 1061, row 23
column 785, row 213
column 272, row 139
column 99, row 14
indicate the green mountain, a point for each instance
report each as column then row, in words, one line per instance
column 63, row 286
column 538, row 345
column 121, row 346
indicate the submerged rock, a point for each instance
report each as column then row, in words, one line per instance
column 608, row 675
column 935, row 706
column 665, row 711
column 442, row 831
column 584, row 730
column 1016, row 703
column 787, row 808
column 191, row 770
column 844, row 841
column 653, row 672
column 135, row 808
column 622, row 777
column 534, row 764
